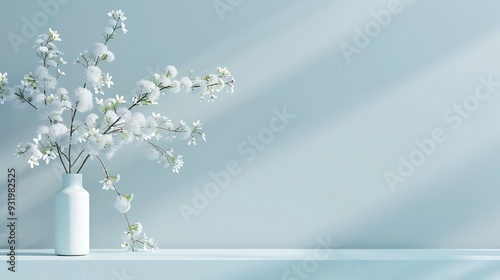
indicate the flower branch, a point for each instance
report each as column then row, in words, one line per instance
column 81, row 123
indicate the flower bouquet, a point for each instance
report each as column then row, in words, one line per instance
column 87, row 123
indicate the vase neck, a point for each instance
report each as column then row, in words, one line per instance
column 72, row 180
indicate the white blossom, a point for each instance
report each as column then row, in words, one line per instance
column 91, row 120
column 223, row 72
column 175, row 86
column 185, row 130
column 53, row 35
column 43, row 77
column 110, row 57
column 170, row 71
column 84, row 98
column 6, row 94
column 109, row 181
column 127, row 242
column 33, row 161
column 99, row 49
column 107, row 80
column 93, row 75
column 178, row 164
column 135, row 229
column 3, row 78
column 145, row 86
column 122, row 203
column 59, row 133
column 120, row 99
column 186, row 83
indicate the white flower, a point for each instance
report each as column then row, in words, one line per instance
column 111, row 116
column 170, row 71
column 150, row 128
column 122, row 203
column 156, row 116
column 43, row 49
column 99, row 49
column 91, row 120
column 199, row 87
column 108, row 182
column 127, row 242
column 60, row 73
column 38, row 139
column 147, row 243
column 84, row 98
column 99, row 101
column 223, row 72
column 58, row 132
column 186, row 83
column 107, row 80
column 165, row 82
column 185, row 130
column 136, row 229
column 192, row 141
column 135, row 123
column 3, row 78
column 175, row 86
column 212, row 79
column 48, row 155
column 93, row 75
column 121, row 15
column 110, row 57
column 145, row 86
column 197, row 124
column 33, row 161
column 6, row 95
column 178, row 163
column 120, row 99
column 53, row 35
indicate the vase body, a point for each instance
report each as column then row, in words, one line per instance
column 72, row 217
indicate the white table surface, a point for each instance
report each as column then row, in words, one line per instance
column 264, row 254
column 256, row 264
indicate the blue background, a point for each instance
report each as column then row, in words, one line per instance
column 323, row 175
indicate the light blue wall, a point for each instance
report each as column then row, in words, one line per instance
column 323, row 174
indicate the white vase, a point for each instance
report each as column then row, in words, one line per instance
column 72, row 217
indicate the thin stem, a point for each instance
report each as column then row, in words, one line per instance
column 60, row 158
column 21, row 95
column 83, row 163
column 76, row 159
column 65, row 156
column 71, row 135
column 116, row 190
column 129, row 108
